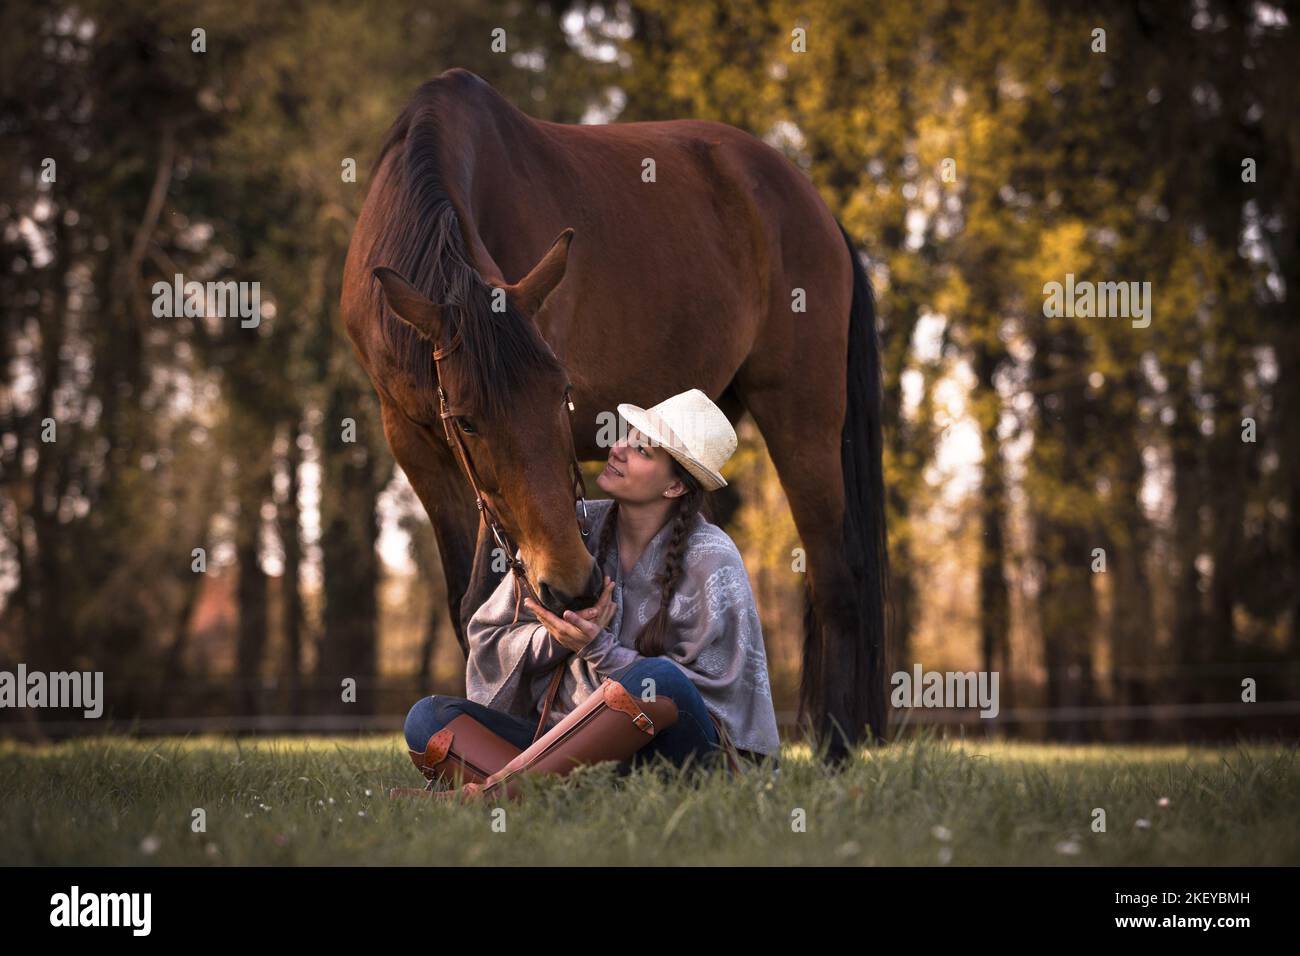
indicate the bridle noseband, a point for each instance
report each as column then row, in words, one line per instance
column 456, row 439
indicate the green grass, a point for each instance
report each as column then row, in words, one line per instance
column 113, row 801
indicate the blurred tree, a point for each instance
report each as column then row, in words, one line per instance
column 973, row 152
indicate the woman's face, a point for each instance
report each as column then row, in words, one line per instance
column 638, row 471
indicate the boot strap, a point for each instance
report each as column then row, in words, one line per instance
column 435, row 753
column 617, row 698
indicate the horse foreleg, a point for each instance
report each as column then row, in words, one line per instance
column 438, row 483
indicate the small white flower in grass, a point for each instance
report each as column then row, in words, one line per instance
column 941, row 832
column 361, row 813
column 1162, row 802
column 1142, row 824
column 945, row 855
column 264, row 806
column 1069, row 847
column 150, row 844
column 331, row 800
column 320, row 803
column 367, row 791
column 247, row 815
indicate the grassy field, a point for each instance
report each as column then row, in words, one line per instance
column 925, row 801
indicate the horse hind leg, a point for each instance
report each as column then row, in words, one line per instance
column 801, row 421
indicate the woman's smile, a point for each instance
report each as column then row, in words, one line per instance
column 611, row 470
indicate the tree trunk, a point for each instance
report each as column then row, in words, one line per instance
column 1189, row 617
column 252, row 599
column 289, row 516
column 994, row 595
column 350, row 531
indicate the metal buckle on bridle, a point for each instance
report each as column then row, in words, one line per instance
column 444, row 414
column 579, row 486
column 496, row 533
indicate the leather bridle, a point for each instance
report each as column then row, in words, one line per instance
column 456, row 440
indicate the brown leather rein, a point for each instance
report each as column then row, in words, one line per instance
column 516, row 565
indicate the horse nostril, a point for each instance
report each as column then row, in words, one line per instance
column 557, row 601
column 548, row 596
column 591, row 593
column 582, row 603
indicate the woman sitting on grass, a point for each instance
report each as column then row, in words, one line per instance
column 670, row 655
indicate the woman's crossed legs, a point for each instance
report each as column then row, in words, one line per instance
column 692, row 736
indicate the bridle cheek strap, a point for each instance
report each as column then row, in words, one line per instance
column 452, row 430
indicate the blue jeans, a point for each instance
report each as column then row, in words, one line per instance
column 693, row 738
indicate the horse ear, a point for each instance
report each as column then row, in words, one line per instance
column 531, row 291
column 409, row 304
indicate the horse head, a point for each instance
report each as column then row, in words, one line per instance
column 506, row 400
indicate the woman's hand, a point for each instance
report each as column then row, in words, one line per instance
column 602, row 612
column 577, row 629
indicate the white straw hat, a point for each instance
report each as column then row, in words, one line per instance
column 691, row 429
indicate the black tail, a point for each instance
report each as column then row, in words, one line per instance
column 862, row 461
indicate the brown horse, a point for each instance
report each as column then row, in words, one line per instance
column 633, row 287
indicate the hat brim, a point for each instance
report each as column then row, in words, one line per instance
column 635, row 416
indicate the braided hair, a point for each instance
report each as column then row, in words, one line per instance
column 653, row 639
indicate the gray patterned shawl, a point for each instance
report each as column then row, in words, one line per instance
column 714, row 636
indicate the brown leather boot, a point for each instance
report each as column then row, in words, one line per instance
column 611, row 724
column 463, row 752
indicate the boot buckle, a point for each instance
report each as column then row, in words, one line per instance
column 617, row 698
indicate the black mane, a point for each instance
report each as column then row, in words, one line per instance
column 421, row 238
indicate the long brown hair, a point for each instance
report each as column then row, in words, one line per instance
column 653, row 638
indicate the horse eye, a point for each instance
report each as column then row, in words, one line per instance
column 467, row 426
